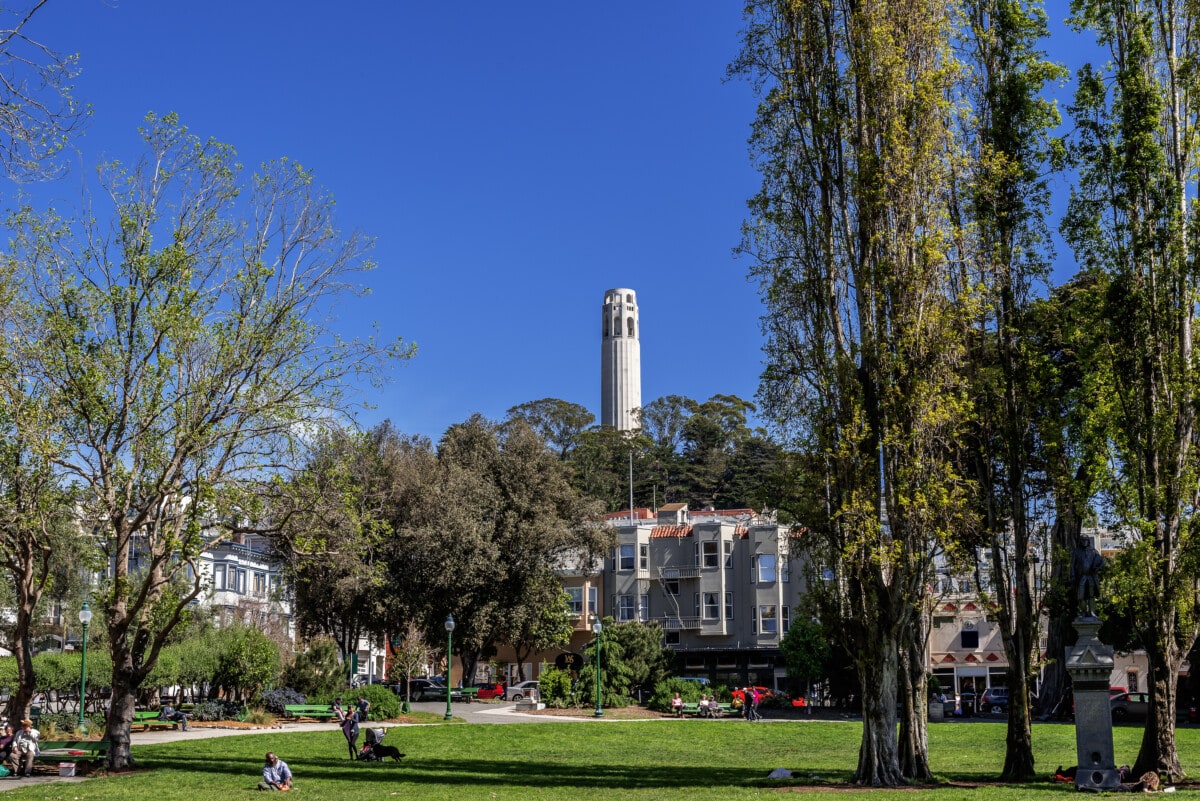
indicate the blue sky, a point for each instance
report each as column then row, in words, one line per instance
column 512, row 160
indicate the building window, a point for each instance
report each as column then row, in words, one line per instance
column 643, row 557
column 970, row 640
column 710, row 553
column 275, row 584
column 729, row 554
column 260, row 583
column 964, row 585
column 575, row 600
column 626, row 557
column 785, row 571
column 670, row 638
column 241, row 582
column 592, row 600
column 754, row 620
column 712, row 609
column 696, row 604
column 729, row 606
column 768, row 620
column 630, row 322
column 672, row 588
column 219, row 577
column 1132, row 679
column 787, row 618
column 626, row 611
column 644, row 608
column 766, row 567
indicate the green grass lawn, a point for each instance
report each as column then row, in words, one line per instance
column 631, row 761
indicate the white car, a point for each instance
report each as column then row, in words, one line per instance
column 524, row 689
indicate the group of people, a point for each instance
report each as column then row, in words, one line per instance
column 349, row 719
column 707, row 707
column 750, row 699
column 17, row 749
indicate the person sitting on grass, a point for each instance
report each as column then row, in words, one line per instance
column 276, row 774
column 168, row 712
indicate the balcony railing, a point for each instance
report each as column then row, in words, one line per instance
column 672, row 623
column 681, row 572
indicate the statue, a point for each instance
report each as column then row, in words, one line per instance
column 1086, row 566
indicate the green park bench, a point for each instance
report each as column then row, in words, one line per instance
column 465, row 694
column 317, row 711
column 148, row 719
column 71, row 751
column 694, row 709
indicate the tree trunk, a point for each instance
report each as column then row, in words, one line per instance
column 18, row 704
column 1054, row 697
column 1158, row 752
column 120, row 718
column 878, row 760
column 914, row 712
column 1018, row 743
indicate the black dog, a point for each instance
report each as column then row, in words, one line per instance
column 384, row 751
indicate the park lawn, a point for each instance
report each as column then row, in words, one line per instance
column 648, row 760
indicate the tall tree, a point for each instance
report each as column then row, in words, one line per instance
column 849, row 235
column 560, row 423
column 1132, row 217
column 188, row 351
column 1007, row 249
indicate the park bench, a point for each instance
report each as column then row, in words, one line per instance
column 148, row 719
column 60, row 752
column 694, row 709
column 465, row 694
column 317, row 711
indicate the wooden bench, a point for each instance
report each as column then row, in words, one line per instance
column 317, row 711
column 148, row 719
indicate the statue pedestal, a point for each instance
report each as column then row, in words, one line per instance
column 1090, row 664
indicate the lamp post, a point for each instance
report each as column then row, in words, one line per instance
column 449, row 641
column 596, row 629
column 85, row 617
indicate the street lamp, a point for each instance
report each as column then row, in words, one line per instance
column 85, row 617
column 596, row 629
column 449, row 641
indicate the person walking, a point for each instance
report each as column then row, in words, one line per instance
column 754, row 699
column 350, row 729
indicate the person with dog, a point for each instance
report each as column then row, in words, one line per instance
column 276, row 775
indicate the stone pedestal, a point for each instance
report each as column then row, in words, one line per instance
column 1090, row 664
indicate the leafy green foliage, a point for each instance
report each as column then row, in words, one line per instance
column 247, row 661
column 384, row 703
column 555, row 687
column 664, row 691
column 317, row 670
column 806, row 651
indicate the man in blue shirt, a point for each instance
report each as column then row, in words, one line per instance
column 276, row 774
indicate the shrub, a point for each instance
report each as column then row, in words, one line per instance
column 259, row 716
column 665, row 690
column 216, row 710
column 384, row 703
column 318, row 670
column 554, row 688
column 275, row 700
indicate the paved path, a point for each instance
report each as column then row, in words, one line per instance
column 472, row 713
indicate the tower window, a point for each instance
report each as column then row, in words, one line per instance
column 630, row 322
column 617, row 327
column 606, row 325
column 629, row 298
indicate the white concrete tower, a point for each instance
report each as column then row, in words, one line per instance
column 620, row 361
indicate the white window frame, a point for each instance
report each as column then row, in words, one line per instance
column 626, row 555
column 768, row 616
column 219, row 579
column 575, row 600
column 592, row 600
column 711, row 606
column 766, row 573
column 710, row 554
column 729, row 554
column 626, row 608
column 729, row 606
column 643, row 557
column 644, row 608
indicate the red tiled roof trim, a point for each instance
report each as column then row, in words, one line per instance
column 671, row 531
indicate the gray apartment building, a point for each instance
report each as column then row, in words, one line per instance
column 723, row 584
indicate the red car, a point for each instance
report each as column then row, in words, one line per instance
column 740, row 693
column 487, row 691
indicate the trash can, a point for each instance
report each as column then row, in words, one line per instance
column 966, row 702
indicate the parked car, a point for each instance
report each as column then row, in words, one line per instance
column 1116, row 690
column 740, row 693
column 703, row 682
column 1129, row 706
column 994, row 700
column 487, row 691
column 524, row 689
column 422, row 689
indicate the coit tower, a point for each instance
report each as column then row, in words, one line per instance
column 620, row 361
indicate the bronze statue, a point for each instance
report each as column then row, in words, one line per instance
column 1086, row 566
